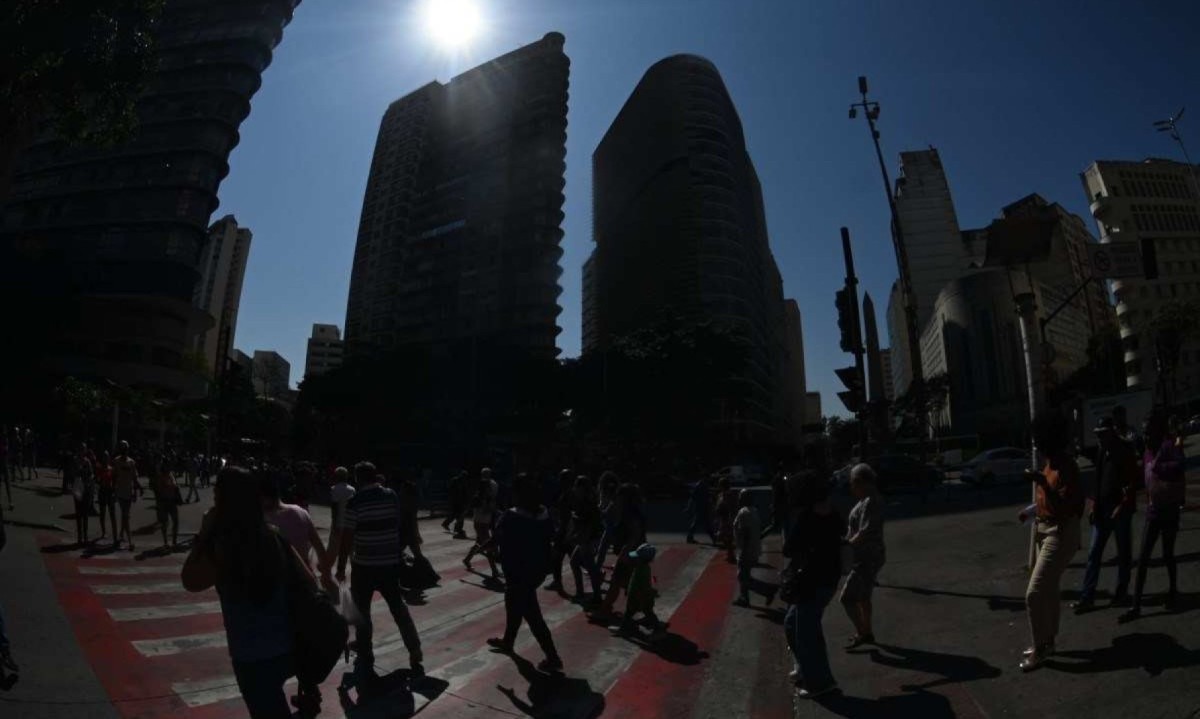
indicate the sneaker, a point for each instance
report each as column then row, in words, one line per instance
column 550, row 664
column 1129, row 616
column 857, row 641
column 500, row 645
column 1046, row 650
column 816, row 693
column 1031, row 662
column 1083, row 606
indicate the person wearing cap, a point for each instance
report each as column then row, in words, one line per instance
column 640, row 593
column 1111, row 507
column 525, row 537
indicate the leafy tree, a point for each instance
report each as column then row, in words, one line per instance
column 83, row 64
column 932, row 395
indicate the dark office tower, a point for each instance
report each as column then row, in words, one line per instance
column 101, row 247
column 680, row 230
column 458, row 246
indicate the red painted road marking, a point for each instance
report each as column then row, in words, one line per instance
column 657, row 687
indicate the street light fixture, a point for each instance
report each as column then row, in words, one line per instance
column 1170, row 125
column 870, row 110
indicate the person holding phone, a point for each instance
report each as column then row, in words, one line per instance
column 1059, row 501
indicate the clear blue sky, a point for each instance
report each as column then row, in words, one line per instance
column 1018, row 96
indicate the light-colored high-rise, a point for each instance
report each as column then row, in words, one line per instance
column 1151, row 200
column 874, row 378
column 219, row 292
column 897, row 329
column 325, row 349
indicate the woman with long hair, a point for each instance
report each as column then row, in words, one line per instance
column 248, row 562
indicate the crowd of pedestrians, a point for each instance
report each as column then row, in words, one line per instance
column 259, row 548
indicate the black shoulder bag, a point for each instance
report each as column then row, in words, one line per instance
column 319, row 633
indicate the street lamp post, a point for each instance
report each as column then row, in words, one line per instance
column 871, row 113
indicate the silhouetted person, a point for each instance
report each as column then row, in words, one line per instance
column 1111, row 513
column 865, row 537
column 700, row 506
column 1059, row 507
column 525, row 537
column 1163, row 468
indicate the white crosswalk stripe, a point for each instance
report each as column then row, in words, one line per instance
column 166, row 611
column 158, row 588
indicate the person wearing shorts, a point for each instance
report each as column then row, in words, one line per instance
column 865, row 537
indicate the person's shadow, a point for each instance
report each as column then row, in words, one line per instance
column 552, row 695
column 1153, row 653
column 7, row 682
column 923, row 704
column 668, row 646
column 390, row 696
column 995, row 602
column 949, row 668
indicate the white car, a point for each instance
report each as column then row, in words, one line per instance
column 1004, row 464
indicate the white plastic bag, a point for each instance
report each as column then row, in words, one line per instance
column 346, row 607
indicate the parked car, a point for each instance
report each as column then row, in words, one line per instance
column 1003, row 464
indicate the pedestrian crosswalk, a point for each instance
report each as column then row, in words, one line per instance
column 161, row 651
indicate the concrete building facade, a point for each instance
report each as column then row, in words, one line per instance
column 1156, row 200
column 219, row 291
column 325, row 349
column 107, row 242
column 271, row 374
column 889, row 386
column 459, row 241
column 679, row 229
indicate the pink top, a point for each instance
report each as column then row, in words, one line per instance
column 295, row 525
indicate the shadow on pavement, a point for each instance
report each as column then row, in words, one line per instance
column 61, row 548
column 923, row 704
column 995, row 603
column 8, row 682
column 950, row 668
column 391, row 696
column 1153, row 653
column 670, row 647
column 547, row 689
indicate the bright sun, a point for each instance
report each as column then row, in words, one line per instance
column 452, row 23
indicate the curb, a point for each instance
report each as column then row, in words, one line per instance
column 34, row 525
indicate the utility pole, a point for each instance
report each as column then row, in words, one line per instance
column 917, row 387
column 1169, row 125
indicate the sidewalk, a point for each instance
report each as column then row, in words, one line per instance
column 951, row 622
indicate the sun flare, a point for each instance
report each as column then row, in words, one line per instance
column 452, row 24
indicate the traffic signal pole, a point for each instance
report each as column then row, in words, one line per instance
column 856, row 339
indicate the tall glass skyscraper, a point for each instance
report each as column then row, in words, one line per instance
column 679, row 229
column 459, row 242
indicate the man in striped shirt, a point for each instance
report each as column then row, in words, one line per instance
column 371, row 533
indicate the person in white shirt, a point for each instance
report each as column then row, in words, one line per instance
column 484, row 508
column 747, row 537
column 340, row 494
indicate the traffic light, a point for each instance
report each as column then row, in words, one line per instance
column 844, row 301
column 855, row 395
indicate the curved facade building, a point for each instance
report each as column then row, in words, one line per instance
column 460, row 237
column 679, row 229
column 108, row 242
